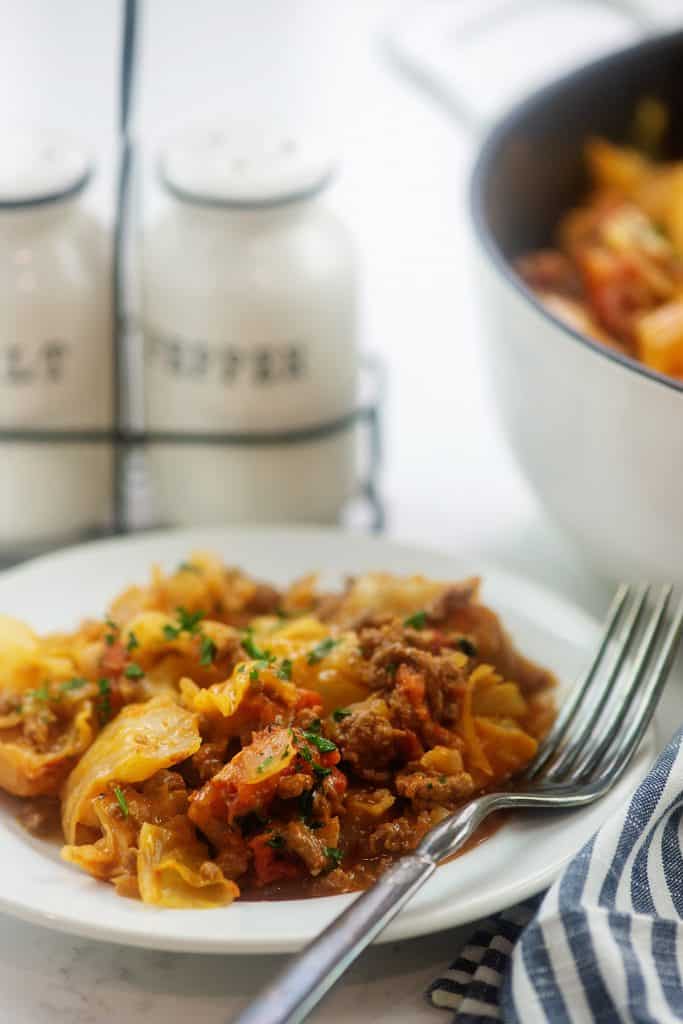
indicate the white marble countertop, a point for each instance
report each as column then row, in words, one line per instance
column 449, row 480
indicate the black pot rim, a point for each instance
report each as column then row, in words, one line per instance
column 480, row 175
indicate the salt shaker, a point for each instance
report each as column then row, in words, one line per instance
column 55, row 350
column 249, row 320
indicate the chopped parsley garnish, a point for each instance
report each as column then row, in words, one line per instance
column 320, row 771
column 416, row 621
column 258, row 667
column 132, row 642
column 334, row 854
column 42, row 693
column 265, row 763
column 340, row 713
column 306, row 754
column 188, row 622
column 391, row 669
column 104, row 704
column 465, row 645
column 323, row 745
column 207, row 651
column 188, row 567
column 110, row 638
column 73, row 684
column 121, row 801
column 277, row 842
column 285, row 670
column 315, row 726
column 133, row 671
column 321, row 650
column 285, row 753
column 252, row 650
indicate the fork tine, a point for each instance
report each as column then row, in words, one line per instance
column 586, row 719
column 575, row 699
column 617, row 762
column 594, row 754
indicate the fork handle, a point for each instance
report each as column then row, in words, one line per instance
column 303, row 983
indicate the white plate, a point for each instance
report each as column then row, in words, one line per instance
column 519, row 860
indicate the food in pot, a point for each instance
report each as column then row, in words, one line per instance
column 616, row 271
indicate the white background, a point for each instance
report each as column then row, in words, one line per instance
column 449, row 480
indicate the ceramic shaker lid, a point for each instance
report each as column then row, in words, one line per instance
column 245, row 165
column 38, row 169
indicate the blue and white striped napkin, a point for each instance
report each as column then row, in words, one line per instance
column 605, row 943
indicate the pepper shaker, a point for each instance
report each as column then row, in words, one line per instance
column 250, row 325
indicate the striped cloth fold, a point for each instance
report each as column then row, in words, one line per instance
column 605, row 943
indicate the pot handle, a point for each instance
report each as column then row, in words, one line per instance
column 442, row 46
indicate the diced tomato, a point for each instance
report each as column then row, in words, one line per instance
column 249, row 782
column 339, row 781
column 437, row 642
column 259, row 711
column 328, row 760
column 113, row 659
column 412, row 686
column 271, row 865
column 308, row 699
column 410, row 746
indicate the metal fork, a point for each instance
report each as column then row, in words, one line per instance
column 589, row 747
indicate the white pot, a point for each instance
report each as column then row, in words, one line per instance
column 598, row 435
column 600, row 442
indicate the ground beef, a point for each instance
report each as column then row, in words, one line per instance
column 228, row 655
column 206, row 763
column 327, row 801
column 442, row 683
column 458, row 595
column 429, row 789
column 292, row 786
column 311, row 845
column 165, row 796
column 161, row 800
column 370, row 744
column 234, row 856
column 338, row 880
column 494, row 647
column 264, row 601
column 306, row 717
column 430, row 709
column 399, row 836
